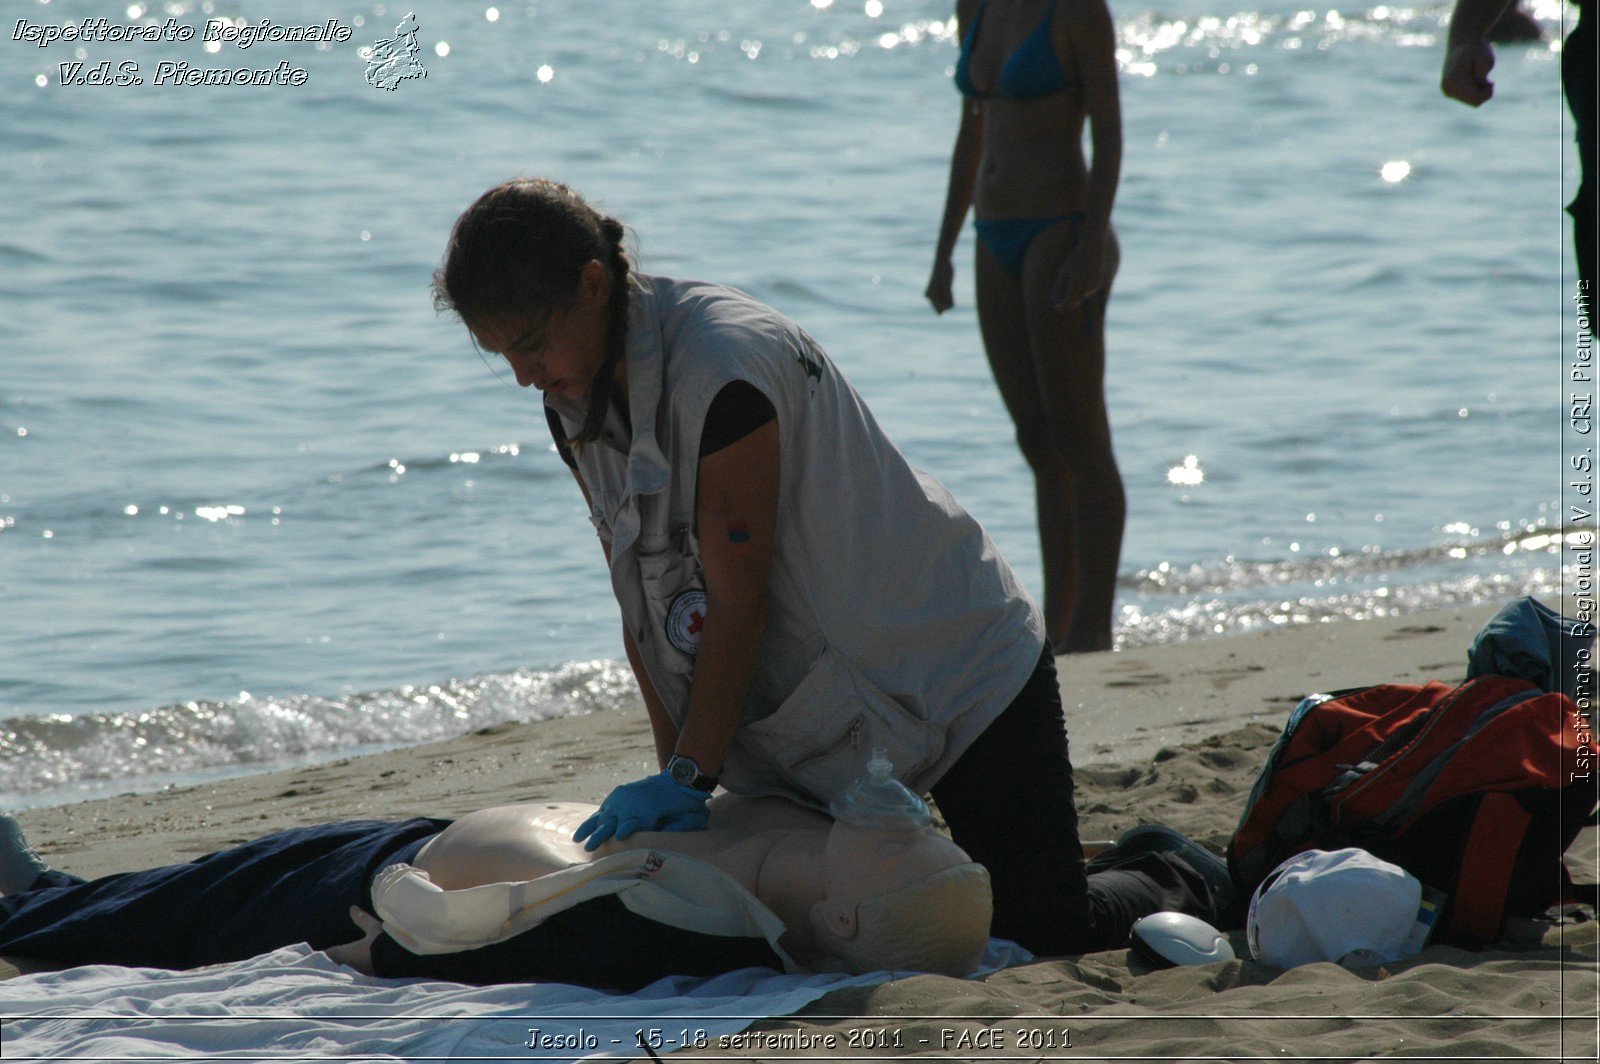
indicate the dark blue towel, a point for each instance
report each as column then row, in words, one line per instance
column 1530, row 641
column 292, row 886
column 298, row 886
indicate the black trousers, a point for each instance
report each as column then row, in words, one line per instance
column 1009, row 803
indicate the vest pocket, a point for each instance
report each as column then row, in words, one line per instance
column 819, row 739
column 675, row 599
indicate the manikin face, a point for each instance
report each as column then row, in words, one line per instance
column 559, row 350
column 906, row 899
column 863, row 863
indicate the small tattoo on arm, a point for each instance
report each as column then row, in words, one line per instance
column 738, row 532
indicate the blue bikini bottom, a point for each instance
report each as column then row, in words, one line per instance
column 1009, row 238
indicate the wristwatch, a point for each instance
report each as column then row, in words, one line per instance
column 685, row 771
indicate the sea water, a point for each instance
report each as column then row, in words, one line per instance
column 260, row 504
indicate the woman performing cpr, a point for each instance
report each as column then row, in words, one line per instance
column 793, row 593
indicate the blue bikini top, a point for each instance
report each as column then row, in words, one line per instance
column 1029, row 72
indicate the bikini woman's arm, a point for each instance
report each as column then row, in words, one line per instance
column 1085, row 29
column 964, row 160
column 1468, row 55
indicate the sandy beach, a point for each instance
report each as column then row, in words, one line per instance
column 1171, row 734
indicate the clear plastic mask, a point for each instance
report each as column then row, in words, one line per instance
column 878, row 800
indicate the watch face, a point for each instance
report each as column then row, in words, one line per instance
column 683, row 771
column 686, row 772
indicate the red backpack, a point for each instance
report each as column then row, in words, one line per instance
column 1476, row 790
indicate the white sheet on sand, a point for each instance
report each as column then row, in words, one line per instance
column 297, row 1004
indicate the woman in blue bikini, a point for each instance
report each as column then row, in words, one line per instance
column 1030, row 73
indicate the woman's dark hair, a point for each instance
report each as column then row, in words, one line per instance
column 518, row 251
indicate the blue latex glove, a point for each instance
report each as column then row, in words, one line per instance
column 654, row 803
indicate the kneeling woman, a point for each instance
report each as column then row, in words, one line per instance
column 793, row 593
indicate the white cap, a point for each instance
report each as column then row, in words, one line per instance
column 1345, row 906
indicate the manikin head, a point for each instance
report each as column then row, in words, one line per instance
column 895, row 894
column 908, row 900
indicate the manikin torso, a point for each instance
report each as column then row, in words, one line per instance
column 789, row 857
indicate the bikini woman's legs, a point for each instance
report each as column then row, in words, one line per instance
column 1050, row 368
column 1002, row 318
column 1069, row 358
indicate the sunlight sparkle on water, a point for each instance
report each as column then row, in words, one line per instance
column 492, row 14
column 873, row 8
column 1188, row 474
column 545, row 73
column 1396, row 171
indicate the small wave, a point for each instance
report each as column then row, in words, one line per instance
column 400, row 466
column 1172, row 604
column 17, row 254
column 49, row 753
column 65, row 758
column 1321, row 570
column 1209, row 616
column 786, row 103
column 1224, row 43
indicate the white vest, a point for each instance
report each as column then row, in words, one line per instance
column 892, row 621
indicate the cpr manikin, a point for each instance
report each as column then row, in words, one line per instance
column 875, row 888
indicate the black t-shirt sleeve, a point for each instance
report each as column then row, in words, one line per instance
column 738, row 410
column 559, row 434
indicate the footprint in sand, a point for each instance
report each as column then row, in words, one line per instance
column 1140, row 679
column 1142, row 674
column 1222, row 679
column 1120, row 777
column 1409, row 631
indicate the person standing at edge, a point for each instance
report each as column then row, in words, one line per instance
column 793, row 594
column 1030, row 73
column 1468, row 60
